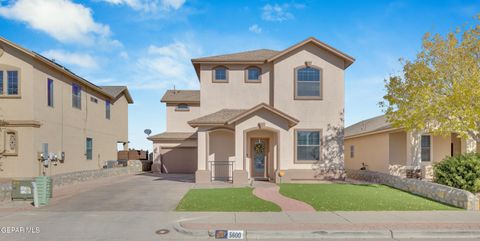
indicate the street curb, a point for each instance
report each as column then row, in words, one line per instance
column 318, row 234
column 439, row 233
column 339, row 234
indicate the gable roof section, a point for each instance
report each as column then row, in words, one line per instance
column 116, row 91
column 260, row 55
column 181, row 96
column 220, row 117
column 347, row 58
column 230, row 116
column 173, row 136
column 58, row 67
column 369, row 126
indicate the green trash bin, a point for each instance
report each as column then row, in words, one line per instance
column 44, row 189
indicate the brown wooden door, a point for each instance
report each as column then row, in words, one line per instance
column 259, row 157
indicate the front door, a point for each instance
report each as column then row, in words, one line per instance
column 259, row 154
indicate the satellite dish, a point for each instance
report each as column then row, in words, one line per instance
column 147, row 131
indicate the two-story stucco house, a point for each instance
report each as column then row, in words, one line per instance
column 45, row 108
column 259, row 114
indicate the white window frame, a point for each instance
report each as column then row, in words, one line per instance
column 320, row 146
column 352, row 151
column 431, row 148
column 320, row 83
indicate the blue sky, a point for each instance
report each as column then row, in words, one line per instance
column 148, row 44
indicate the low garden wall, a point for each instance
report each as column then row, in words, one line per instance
column 5, row 191
column 445, row 194
column 82, row 176
column 77, row 177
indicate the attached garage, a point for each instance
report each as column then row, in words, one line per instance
column 174, row 152
column 179, row 159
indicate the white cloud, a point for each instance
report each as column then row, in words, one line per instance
column 149, row 5
column 166, row 66
column 64, row 20
column 277, row 13
column 124, row 55
column 255, row 29
column 79, row 59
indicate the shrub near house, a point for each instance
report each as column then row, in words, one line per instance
column 461, row 171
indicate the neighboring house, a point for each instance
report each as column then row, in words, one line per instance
column 258, row 114
column 45, row 108
column 384, row 148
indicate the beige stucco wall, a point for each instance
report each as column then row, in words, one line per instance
column 236, row 94
column 398, row 148
column 441, row 147
column 177, row 120
column 373, row 150
column 63, row 127
column 325, row 114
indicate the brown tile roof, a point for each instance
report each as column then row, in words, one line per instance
column 253, row 55
column 181, row 96
column 374, row 124
column 173, row 136
column 116, row 91
column 56, row 66
column 230, row 116
column 220, row 117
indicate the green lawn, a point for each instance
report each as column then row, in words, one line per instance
column 225, row 200
column 350, row 197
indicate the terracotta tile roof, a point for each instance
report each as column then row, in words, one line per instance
column 181, row 96
column 219, row 117
column 374, row 124
column 173, row 136
column 253, row 55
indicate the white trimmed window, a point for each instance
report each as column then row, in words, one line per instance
column 352, row 151
column 308, row 145
column 308, row 82
column 426, row 148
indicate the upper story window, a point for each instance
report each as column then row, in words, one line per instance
column 308, row 83
column 50, row 92
column 182, row 107
column 107, row 109
column 12, row 82
column 253, row 74
column 9, row 83
column 76, row 96
column 220, row 74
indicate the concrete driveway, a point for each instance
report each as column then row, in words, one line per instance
column 142, row 192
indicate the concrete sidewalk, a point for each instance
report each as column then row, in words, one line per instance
column 138, row 225
column 418, row 224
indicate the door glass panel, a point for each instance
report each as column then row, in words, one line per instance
column 259, row 156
